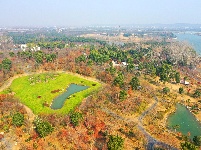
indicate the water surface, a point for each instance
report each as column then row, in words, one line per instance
column 58, row 102
column 186, row 121
column 193, row 39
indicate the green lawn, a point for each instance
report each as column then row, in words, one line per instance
column 28, row 88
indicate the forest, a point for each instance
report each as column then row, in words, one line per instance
column 140, row 85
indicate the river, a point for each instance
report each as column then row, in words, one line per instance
column 193, row 39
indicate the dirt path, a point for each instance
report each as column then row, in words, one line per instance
column 7, row 84
column 9, row 81
column 138, row 121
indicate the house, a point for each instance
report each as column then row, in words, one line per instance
column 184, row 82
column 124, row 63
column 23, row 47
column 115, row 63
column 35, row 48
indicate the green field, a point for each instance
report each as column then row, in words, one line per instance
column 34, row 90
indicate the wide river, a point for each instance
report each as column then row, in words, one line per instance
column 193, row 39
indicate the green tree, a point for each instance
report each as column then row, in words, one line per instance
column 75, row 118
column 197, row 94
column 38, row 56
column 135, row 83
column 197, row 140
column 122, row 95
column 181, row 90
column 166, row 90
column 50, row 57
column 164, row 72
column 115, row 142
column 6, row 64
column 18, row 119
column 188, row 146
column 11, row 54
column 119, row 80
column 43, row 128
column 177, row 77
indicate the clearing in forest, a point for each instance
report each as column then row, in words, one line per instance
column 39, row 90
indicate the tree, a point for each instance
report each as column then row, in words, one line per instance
column 18, row 119
column 135, row 83
column 119, row 80
column 166, row 90
column 11, row 54
column 181, row 90
column 43, row 128
column 38, row 56
column 197, row 140
column 50, row 57
column 188, row 146
column 115, row 142
column 6, row 64
column 122, row 95
column 164, row 72
column 75, row 118
column 197, row 94
column 177, row 77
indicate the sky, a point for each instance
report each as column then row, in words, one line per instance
column 42, row 13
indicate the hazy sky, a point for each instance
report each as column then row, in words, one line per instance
column 98, row 12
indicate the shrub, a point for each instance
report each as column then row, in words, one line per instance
column 18, row 119
column 75, row 118
column 43, row 128
column 115, row 142
column 197, row 140
column 188, row 146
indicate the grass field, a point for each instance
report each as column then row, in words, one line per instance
column 35, row 90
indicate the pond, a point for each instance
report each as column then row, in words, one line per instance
column 58, row 102
column 186, row 121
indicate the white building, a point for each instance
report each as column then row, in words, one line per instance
column 23, row 47
column 184, row 82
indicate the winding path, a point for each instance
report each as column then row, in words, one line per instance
column 151, row 140
column 7, row 84
column 9, row 142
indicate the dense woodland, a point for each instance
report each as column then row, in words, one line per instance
column 131, row 75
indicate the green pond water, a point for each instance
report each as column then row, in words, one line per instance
column 58, row 102
column 186, row 121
